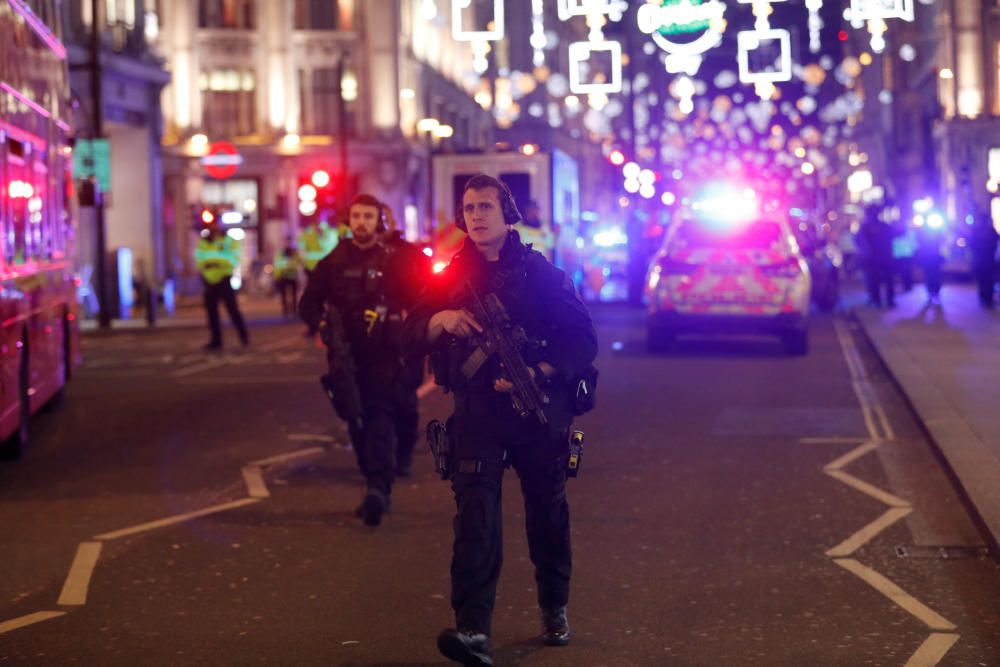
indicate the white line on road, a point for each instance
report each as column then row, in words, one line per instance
column 198, row 368
column 932, row 650
column 851, row 456
column 834, row 441
column 904, row 600
column 863, row 536
column 178, row 518
column 29, row 619
column 251, row 379
column 74, row 591
column 868, row 489
column 278, row 344
column 310, row 437
column 253, row 477
column 291, row 456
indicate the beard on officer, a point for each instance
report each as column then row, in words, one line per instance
column 486, row 434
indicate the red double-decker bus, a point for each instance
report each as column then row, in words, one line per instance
column 39, row 336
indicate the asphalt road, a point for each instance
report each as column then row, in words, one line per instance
column 736, row 507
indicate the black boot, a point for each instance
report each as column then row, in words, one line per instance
column 374, row 506
column 555, row 627
column 469, row 648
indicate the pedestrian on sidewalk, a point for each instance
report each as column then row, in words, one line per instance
column 356, row 298
column 286, row 277
column 217, row 255
column 486, row 433
column 875, row 246
column 984, row 263
column 929, row 241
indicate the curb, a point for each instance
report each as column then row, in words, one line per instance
column 972, row 468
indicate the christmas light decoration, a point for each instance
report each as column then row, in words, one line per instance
column 663, row 19
column 753, row 40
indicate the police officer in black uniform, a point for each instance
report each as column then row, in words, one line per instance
column 371, row 287
column 485, row 431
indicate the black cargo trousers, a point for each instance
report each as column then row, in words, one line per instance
column 484, row 447
column 389, row 414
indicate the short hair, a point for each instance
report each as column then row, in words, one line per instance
column 508, row 207
column 365, row 199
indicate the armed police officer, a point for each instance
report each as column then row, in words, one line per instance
column 497, row 421
column 356, row 297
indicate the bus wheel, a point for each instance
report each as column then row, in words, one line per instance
column 18, row 441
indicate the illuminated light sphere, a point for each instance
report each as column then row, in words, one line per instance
column 885, row 97
column 632, row 185
column 307, row 207
column 440, row 266
column 935, row 221
column 647, row 177
column 946, row 74
column 668, row 198
column 320, row 179
column 307, row 192
column 814, row 74
column 207, row 217
column 632, row 171
column 851, row 67
column 808, row 168
column 686, row 105
column 647, row 191
column 617, row 158
column 865, row 59
column 908, row 53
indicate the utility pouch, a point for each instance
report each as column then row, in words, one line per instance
column 584, row 391
column 437, row 439
column 575, row 453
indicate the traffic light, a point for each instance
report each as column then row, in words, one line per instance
column 317, row 195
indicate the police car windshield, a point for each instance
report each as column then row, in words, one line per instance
column 759, row 235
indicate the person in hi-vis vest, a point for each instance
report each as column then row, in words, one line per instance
column 217, row 257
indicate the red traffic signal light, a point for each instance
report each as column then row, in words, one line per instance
column 320, row 178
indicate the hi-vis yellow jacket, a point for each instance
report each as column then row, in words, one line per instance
column 217, row 258
column 317, row 241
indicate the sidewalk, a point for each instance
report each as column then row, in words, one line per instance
column 946, row 359
column 190, row 313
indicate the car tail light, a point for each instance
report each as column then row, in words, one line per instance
column 787, row 269
column 676, row 268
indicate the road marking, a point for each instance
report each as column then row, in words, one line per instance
column 278, row 344
column 74, row 591
column 177, row 518
column 863, row 536
column 851, row 456
column 29, row 619
column 198, row 368
column 937, row 645
column 253, row 477
column 291, row 456
column 932, row 650
column 867, row 489
column 834, row 441
column 310, row 437
column 904, row 600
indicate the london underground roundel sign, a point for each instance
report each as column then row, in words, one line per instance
column 222, row 160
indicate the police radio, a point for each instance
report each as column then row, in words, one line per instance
column 575, row 453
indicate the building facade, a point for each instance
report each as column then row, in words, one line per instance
column 283, row 88
column 131, row 81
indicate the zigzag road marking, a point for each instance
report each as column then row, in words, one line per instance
column 77, row 582
column 29, row 619
column 934, row 648
column 866, row 534
column 904, row 600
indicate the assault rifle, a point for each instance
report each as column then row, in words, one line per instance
column 503, row 337
column 340, row 382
